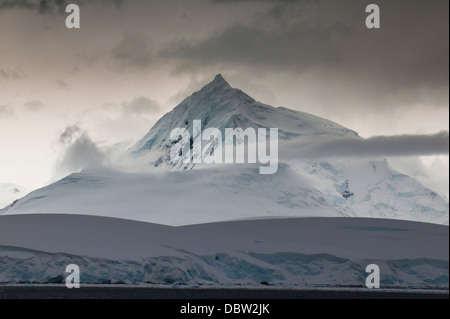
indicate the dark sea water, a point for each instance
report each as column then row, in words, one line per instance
column 117, row 292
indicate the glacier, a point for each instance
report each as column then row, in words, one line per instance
column 285, row 253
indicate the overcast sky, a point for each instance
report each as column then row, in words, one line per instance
column 132, row 61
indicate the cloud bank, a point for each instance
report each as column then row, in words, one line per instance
column 377, row 146
column 140, row 105
column 133, row 50
column 78, row 152
column 47, row 6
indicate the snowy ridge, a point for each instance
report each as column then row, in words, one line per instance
column 374, row 189
column 223, row 193
column 11, row 192
column 317, row 252
column 180, row 198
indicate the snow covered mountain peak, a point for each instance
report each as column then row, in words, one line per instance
column 214, row 98
column 218, row 105
column 219, row 81
column 360, row 187
column 219, row 88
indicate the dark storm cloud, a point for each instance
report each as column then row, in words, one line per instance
column 47, row 6
column 133, row 50
column 140, row 106
column 42, row 6
column 410, row 51
column 377, row 146
column 241, row 1
column 10, row 4
column 301, row 47
column 274, row 39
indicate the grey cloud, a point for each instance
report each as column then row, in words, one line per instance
column 10, row 4
column 41, row 6
column 133, row 50
column 378, row 146
column 48, row 6
column 83, row 153
column 242, row 1
column 34, row 106
column 434, row 175
column 194, row 85
column 410, row 51
column 61, row 84
column 140, row 105
column 277, row 38
column 69, row 133
column 6, row 111
column 301, row 47
column 11, row 73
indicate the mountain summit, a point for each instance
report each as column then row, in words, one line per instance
column 218, row 105
column 220, row 87
column 220, row 81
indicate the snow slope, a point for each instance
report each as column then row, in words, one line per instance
column 374, row 189
column 180, row 198
column 11, row 192
column 306, row 252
